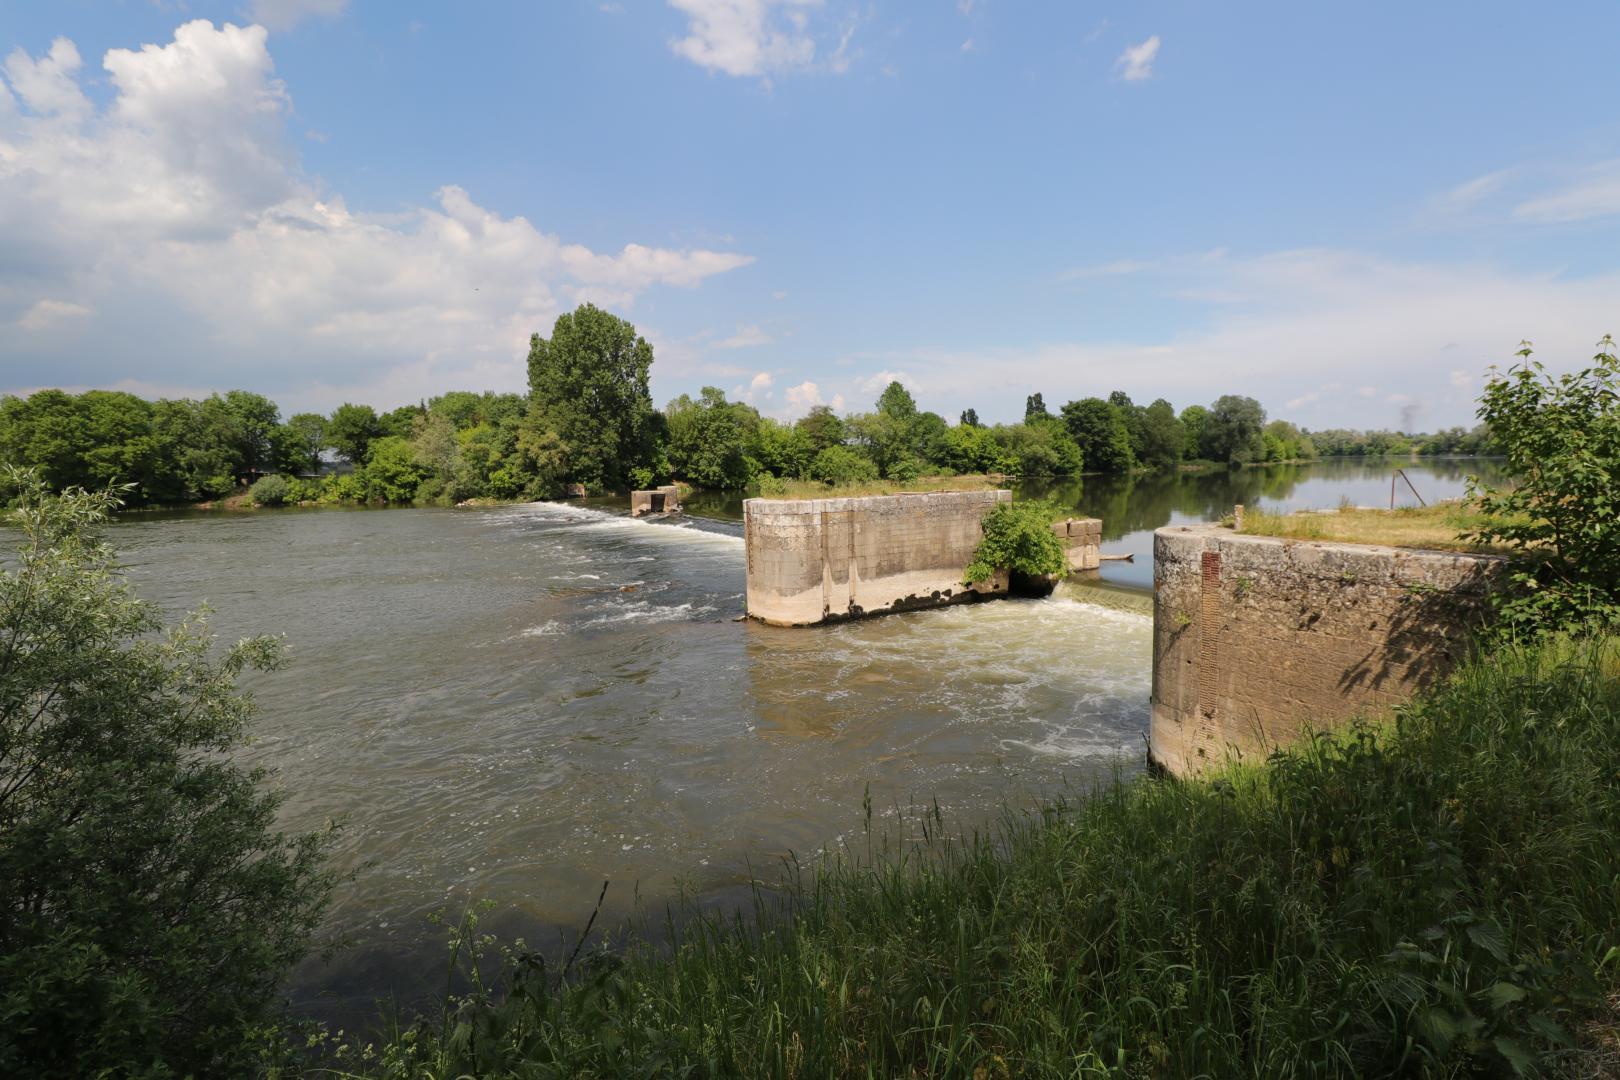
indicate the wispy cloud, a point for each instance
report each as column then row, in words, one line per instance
column 757, row 38
column 285, row 14
column 1136, row 62
column 745, row 337
column 1594, row 192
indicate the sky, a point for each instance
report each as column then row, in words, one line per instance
column 1347, row 211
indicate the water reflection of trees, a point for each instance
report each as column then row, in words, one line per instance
column 1133, row 503
column 1130, row 504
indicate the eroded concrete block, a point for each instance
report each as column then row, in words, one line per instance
column 661, row 500
column 1257, row 639
column 822, row 560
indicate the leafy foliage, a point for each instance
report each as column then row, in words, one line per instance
column 1232, row 430
column 1561, row 511
column 1098, row 428
column 148, row 907
column 589, row 383
column 1018, row 537
column 842, row 465
column 272, row 490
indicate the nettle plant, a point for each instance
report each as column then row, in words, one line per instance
column 1560, row 511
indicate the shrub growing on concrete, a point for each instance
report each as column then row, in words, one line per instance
column 1018, row 537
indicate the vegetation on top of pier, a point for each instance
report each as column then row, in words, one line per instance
column 1018, row 537
column 1443, row 526
column 815, row 489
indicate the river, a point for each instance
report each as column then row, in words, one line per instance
column 518, row 703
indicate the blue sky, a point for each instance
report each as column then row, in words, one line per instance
column 1346, row 211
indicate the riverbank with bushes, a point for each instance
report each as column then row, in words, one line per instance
column 1437, row 893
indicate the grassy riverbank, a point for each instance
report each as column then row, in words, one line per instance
column 1436, row 896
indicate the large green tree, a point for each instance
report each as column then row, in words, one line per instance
column 1163, row 438
column 1099, row 430
column 351, row 430
column 590, row 381
column 149, row 908
column 710, row 439
column 1232, row 431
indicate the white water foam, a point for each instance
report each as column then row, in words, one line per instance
column 586, row 518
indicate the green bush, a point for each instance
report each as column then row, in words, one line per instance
column 272, row 490
column 1561, row 509
column 1018, row 537
column 148, row 907
column 842, row 465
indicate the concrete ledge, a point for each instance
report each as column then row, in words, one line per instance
column 1257, row 639
column 1082, row 539
column 661, row 500
column 813, row 561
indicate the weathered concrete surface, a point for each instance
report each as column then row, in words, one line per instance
column 822, row 560
column 1257, row 638
column 1082, row 539
column 662, row 500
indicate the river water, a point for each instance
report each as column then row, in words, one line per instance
column 519, row 703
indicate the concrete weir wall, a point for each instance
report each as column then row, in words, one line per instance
column 1257, row 638
column 823, row 560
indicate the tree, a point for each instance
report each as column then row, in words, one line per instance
column 970, row 418
column 1098, row 429
column 252, row 420
column 351, row 430
column 1561, row 511
column 299, row 443
column 1163, row 437
column 1193, row 419
column 897, row 403
column 822, row 427
column 1232, row 431
column 1039, row 449
column 590, row 380
column 149, row 909
column 709, row 440
column 392, row 472
column 842, row 465
column 782, row 449
column 1035, row 409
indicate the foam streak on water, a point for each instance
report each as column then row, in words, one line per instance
column 520, row 702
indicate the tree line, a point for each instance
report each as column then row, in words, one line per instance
column 589, row 418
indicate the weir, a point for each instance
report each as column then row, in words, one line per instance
column 1257, row 639
column 814, row 561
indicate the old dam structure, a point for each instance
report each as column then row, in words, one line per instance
column 1257, row 639
column 814, row 561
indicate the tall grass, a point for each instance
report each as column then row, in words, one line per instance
column 1437, row 895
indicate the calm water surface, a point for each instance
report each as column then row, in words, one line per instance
column 519, row 703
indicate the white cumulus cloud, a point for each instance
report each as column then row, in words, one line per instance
column 1136, row 62
column 754, row 37
column 178, row 217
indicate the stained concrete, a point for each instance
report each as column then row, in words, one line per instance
column 1082, row 540
column 662, row 500
column 822, row 560
column 1256, row 639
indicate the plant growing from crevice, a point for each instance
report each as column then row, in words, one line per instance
column 1018, row 538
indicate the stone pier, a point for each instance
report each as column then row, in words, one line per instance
column 1257, row 639
column 823, row 560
